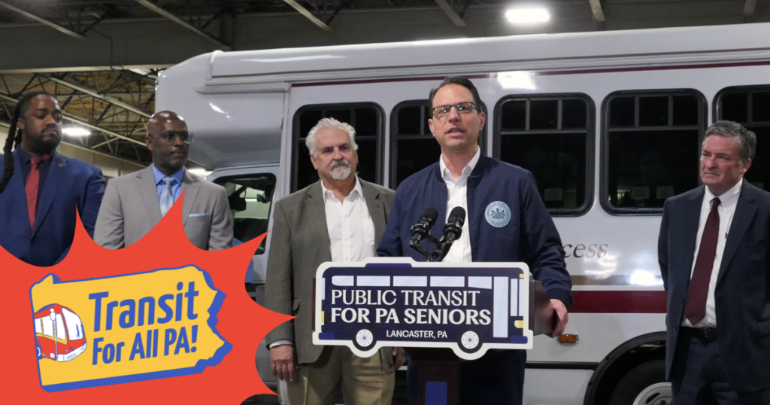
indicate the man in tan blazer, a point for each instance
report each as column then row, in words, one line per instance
column 340, row 218
column 135, row 203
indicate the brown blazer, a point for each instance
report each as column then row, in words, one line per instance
column 299, row 244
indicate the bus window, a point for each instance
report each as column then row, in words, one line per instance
column 74, row 325
column 651, row 148
column 61, row 335
column 48, row 327
column 549, row 136
column 249, row 197
column 750, row 106
column 367, row 120
column 412, row 144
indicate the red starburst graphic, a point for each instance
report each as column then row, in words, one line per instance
column 241, row 321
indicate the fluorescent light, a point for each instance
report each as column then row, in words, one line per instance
column 76, row 131
column 527, row 15
column 201, row 172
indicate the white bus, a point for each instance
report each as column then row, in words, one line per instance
column 609, row 123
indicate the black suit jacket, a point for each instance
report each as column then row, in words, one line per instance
column 742, row 294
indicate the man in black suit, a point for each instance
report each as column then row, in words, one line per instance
column 714, row 253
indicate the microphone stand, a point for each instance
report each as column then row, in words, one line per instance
column 432, row 364
column 442, row 247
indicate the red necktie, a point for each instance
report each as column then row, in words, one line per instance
column 31, row 188
column 695, row 309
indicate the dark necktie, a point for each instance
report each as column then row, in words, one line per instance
column 31, row 189
column 695, row 309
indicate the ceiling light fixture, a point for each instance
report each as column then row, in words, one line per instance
column 527, row 15
column 75, row 131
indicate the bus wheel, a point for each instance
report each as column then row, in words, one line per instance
column 644, row 384
column 470, row 341
column 364, row 339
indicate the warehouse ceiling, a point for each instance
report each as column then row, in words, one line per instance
column 101, row 57
column 112, row 105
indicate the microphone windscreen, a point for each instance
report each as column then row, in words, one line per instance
column 458, row 213
column 431, row 214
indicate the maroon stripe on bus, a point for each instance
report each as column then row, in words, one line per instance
column 364, row 81
column 618, row 302
column 540, row 73
column 652, row 68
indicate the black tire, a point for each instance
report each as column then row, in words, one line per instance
column 368, row 331
column 638, row 379
column 466, row 347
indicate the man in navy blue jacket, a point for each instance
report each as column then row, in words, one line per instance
column 506, row 222
column 40, row 189
column 714, row 253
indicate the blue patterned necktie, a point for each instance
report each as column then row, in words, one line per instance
column 167, row 199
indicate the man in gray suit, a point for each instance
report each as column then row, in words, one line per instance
column 341, row 218
column 135, row 203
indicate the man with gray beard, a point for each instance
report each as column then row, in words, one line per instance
column 340, row 218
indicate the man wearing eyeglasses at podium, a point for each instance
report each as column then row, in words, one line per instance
column 506, row 222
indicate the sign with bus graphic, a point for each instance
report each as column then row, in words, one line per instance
column 58, row 333
column 127, row 328
column 467, row 307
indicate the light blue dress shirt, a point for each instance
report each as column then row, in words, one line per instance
column 176, row 186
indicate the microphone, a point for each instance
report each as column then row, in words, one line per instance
column 453, row 229
column 420, row 231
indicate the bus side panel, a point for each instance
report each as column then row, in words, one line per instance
column 554, row 386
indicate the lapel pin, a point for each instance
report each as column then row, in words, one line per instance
column 61, row 164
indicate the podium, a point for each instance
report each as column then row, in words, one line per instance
column 438, row 312
column 435, row 372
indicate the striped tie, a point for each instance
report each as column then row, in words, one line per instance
column 167, row 199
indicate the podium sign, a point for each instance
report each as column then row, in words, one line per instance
column 466, row 307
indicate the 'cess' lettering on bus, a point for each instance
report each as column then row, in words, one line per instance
column 589, row 251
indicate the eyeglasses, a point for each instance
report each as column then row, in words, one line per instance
column 441, row 112
column 170, row 136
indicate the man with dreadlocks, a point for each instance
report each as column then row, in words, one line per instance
column 40, row 188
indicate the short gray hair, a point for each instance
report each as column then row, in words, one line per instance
column 746, row 138
column 328, row 123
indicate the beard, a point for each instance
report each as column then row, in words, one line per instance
column 341, row 170
column 41, row 144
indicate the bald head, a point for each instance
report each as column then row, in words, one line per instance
column 159, row 121
column 166, row 137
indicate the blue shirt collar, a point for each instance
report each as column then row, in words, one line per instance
column 158, row 175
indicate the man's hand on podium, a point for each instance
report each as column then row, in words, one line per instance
column 399, row 358
column 562, row 317
column 283, row 362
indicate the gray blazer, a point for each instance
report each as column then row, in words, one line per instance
column 299, row 244
column 130, row 209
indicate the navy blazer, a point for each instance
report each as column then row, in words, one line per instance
column 742, row 294
column 70, row 184
column 529, row 237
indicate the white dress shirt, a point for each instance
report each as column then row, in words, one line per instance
column 350, row 229
column 461, row 251
column 727, row 204
column 349, row 225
